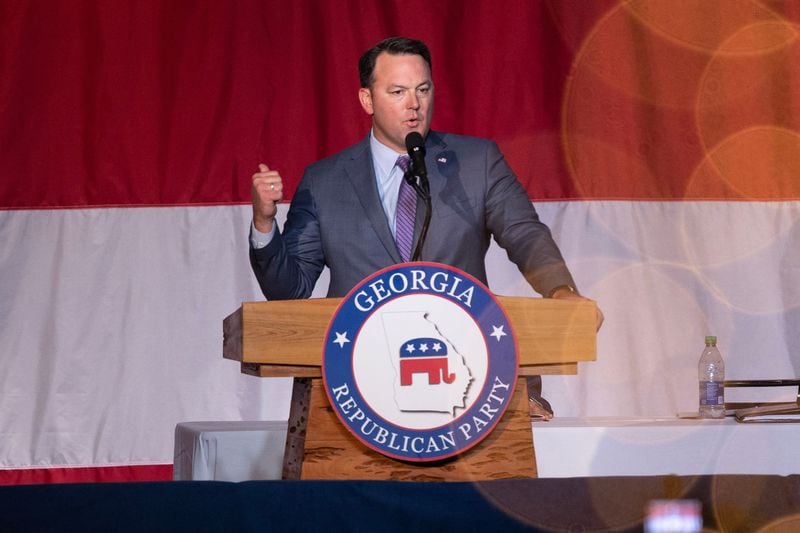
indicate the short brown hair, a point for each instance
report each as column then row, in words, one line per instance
column 394, row 46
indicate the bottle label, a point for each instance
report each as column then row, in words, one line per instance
column 712, row 393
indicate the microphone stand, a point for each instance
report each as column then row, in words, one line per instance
column 422, row 188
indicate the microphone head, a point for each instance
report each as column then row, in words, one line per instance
column 415, row 144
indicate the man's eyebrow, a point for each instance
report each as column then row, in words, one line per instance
column 395, row 86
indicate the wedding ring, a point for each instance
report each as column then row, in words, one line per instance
column 272, row 186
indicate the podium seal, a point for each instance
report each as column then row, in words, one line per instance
column 420, row 362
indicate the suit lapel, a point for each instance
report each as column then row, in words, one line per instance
column 434, row 147
column 361, row 173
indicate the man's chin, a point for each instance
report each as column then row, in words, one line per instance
column 419, row 128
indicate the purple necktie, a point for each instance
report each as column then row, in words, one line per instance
column 406, row 213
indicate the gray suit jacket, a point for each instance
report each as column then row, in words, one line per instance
column 336, row 219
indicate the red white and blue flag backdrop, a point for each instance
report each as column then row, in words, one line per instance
column 659, row 139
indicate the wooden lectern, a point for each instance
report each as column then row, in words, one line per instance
column 285, row 338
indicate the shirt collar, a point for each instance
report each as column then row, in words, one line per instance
column 383, row 156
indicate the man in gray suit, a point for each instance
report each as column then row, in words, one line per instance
column 343, row 214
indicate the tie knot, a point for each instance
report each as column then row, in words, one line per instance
column 404, row 162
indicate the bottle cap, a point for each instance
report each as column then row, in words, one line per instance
column 711, row 339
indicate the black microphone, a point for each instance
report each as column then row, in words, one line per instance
column 415, row 145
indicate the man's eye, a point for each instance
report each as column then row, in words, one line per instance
column 424, row 90
column 396, row 92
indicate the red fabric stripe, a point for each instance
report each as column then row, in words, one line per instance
column 148, row 103
column 167, row 103
column 100, row 474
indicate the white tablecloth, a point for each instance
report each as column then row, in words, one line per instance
column 229, row 451
column 572, row 447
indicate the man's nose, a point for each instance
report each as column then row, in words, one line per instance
column 413, row 100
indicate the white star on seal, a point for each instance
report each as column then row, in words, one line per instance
column 498, row 332
column 341, row 339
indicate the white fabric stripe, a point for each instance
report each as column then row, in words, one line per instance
column 111, row 335
column 666, row 274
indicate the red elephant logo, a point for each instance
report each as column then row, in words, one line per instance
column 424, row 355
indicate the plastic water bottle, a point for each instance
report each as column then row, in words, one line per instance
column 711, row 371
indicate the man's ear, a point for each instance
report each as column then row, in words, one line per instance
column 365, row 97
